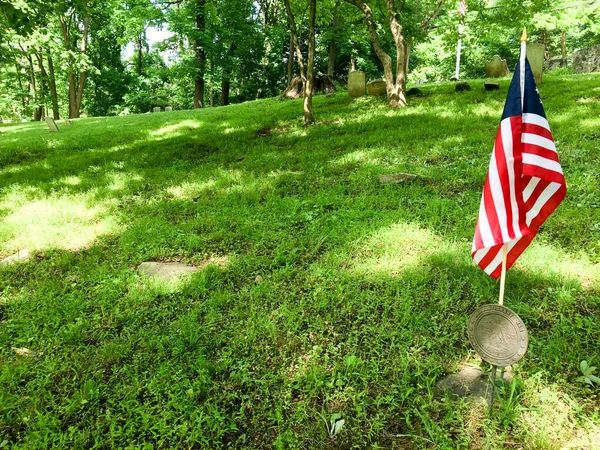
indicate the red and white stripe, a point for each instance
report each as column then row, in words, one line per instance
column 524, row 184
column 462, row 8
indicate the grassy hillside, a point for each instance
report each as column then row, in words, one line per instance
column 322, row 294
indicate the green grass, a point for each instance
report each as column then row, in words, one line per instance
column 323, row 291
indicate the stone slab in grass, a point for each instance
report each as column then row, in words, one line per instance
column 470, row 383
column 397, row 178
column 20, row 256
column 491, row 86
column 167, row 271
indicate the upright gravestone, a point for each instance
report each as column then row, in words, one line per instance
column 357, row 84
column 51, row 124
column 496, row 68
column 156, row 109
column 168, row 108
column 587, row 60
column 377, row 88
column 535, row 55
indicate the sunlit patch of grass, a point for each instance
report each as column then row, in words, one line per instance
column 64, row 222
column 177, row 128
column 543, row 257
column 391, row 250
column 551, row 418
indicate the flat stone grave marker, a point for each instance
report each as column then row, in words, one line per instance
column 470, row 383
column 20, row 256
column 535, row 55
column 490, row 86
column 156, row 109
column 496, row 68
column 462, row 86
column 357, row 84
column 376, row 88
column 51, row 124
column 167, row 271
column 168, row 109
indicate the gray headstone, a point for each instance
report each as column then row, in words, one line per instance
column 496, row 68
column 51, row 124
column 20, row 256
column 556, row 63
column 587, row 60
column 357, row 84
column 156, row 109
column 377, row 88
column 535, row 55
column 167, row 271
column 168, row 108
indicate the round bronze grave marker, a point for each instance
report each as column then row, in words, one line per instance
column 498, row 335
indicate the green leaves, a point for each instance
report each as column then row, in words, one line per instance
column 588, row 376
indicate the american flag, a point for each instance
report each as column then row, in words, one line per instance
column 462, row 7
column 525, row 182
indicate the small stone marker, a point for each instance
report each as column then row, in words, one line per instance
column 398, row 178
column 587, row 60
column 496, row 68
column 535, row 55
column 68, row 122
column 357, row 84
column 20, row 256
column 51, row 124
column 156, row 109
column 470, row 383
column 168, row 109
column 167, row 271
column 414, row 92
column 491, row 86
column 377, row 88
column 463, row 86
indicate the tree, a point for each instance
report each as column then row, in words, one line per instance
column 411, row 15
column 306, row 75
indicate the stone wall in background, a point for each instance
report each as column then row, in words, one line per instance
column 586, row 60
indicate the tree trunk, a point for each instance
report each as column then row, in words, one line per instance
column 563, row 47
column 140, row 54
column 309, row 117
column 52, row 86
column 332, row 46
column 43, row 76
column 75, row 88
column 294, row 36
column 18, row 72
column 352, row 62
column 226, row 81
column 290, row 70
column 38, row 112
column 200, row 60
column 395, row 86
column 211, row 91
column 82, row 73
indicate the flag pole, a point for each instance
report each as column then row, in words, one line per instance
column 458, row 49
column 505, row 246
column 503, row 274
